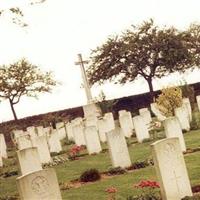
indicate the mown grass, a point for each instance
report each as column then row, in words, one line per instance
column 124, row 183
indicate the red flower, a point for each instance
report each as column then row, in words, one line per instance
column 111, row 190
column 147, row 183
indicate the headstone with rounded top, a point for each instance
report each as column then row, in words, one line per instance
column 79, row 135
column 41, row 143
column 182, row 114
column 171, row 169
column 39, row 185
column 118, row 148
column 126, row 123
column 141, row 129
column 29, row 160
column 92, row 140
column 173, row 129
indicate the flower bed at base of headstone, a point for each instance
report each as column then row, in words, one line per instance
column 149, row 191
column 74, row 152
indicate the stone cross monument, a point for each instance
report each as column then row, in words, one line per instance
column 84, row 76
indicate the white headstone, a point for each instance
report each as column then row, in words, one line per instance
column 54, row 142
column 118, row 148
column 1, row 161
column 69, row 131
column 40, row 130
column 92, row 140
column 3, row 147
column 108, row 117
column 24, row 141
column 156, row 111
column 141, row 110
column 41, row 143
column 17, row 133
column 102, row 129
column 47, row 130
column 171, row 169
column 29, row 160
column 126, row 123
column 91, row 120
column 78, row 135
column 198, row 101
column 186, row 102
column 141, row 129
column 60, row 126
column 40, row 185
column 173, row 129
column 31, row 131
column 182, row 115
column 144, row 112
column 121, row 112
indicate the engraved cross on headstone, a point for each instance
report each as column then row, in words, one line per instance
column 176, row 178
column 84, row 76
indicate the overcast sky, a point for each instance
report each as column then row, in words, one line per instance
column 60, row 29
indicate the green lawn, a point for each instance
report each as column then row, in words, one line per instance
column 124, row 183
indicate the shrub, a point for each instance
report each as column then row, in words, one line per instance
column 116, row 171
column 90, row 175
column 169, row 99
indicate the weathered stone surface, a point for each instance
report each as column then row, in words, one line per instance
column 126, row 123
column 40, row 185
column 24, row 141
column 17, row 133
column 186, row 102
column 69, row 130
column 156, row 111
column 91, row 120
column 41, row 143
column 173, row 129
column 144, row 112
column 171, row 169
column 54, row 142
column 60, row 126
column 3, row 147
column 1, row 161
column 110, row 123
column 92, row 140
column 31, row 131
column 141, row 129
column 182, row 114
column 29, row 160
column 102, row 129
column 198, row 101
column 40, row 131
column 118, row 148
column 79, row 135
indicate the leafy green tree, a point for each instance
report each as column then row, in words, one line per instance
column 143, row 51
column 23, row 79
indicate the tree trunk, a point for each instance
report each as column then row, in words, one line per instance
column 13, row 110
column 151, row 91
